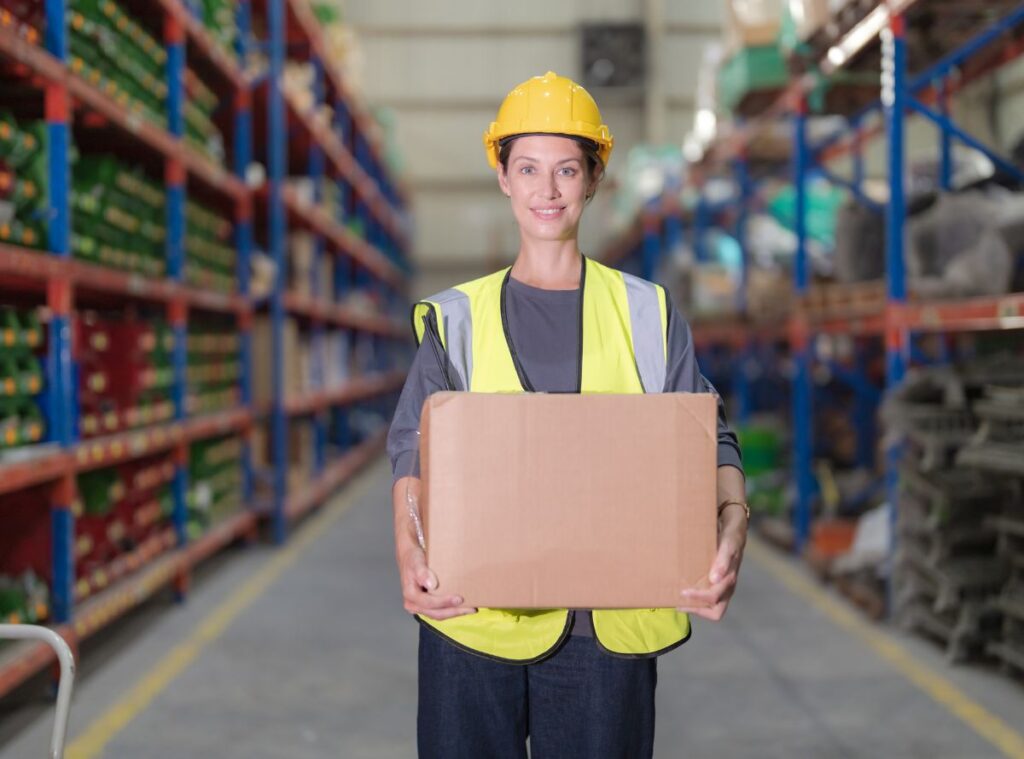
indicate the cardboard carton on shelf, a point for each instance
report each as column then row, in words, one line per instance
column 751, row 23
column 809, row 16
column 577, row 501
column 300, row 455
column 263, row 357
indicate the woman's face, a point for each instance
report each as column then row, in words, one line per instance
column 548, row 184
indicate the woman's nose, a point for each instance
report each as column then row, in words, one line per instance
column 551, row 188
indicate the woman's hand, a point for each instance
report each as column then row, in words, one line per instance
column 418, row 581
column 418, row 584
column 732, row 539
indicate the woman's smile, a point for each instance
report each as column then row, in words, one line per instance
column 549, row 213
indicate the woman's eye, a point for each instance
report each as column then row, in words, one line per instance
column 526, row 170
column 568, row 172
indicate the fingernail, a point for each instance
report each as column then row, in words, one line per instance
column 457, row 600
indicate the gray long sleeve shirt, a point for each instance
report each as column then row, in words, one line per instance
column 544, row 328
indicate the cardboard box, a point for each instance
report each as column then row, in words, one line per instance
column 751, row 23
column 578, row 501
column 263, row 358
column 808, row 16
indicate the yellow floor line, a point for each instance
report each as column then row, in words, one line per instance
column 94, row 739
column 974, row 715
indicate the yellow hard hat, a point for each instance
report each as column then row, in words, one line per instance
column 549, row 104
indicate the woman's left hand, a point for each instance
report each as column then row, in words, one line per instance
column 732, row 539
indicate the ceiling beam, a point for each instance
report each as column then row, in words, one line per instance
column 487, row 104
column 510, row 30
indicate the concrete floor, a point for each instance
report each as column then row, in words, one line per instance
column 323, row 664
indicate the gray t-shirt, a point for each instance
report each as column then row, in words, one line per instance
column 544, row 327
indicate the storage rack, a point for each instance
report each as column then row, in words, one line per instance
column 893, row 323
column 375, row 262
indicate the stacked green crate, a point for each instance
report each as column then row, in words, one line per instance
column 155, row 380
column 210, row 257
column 23, row 197
column 219, row 17
column 215, row 482
column 21, row 378
column 24, row 599
column 200, row 131
column 118, row 216
column 214, row 369
column 115, row 54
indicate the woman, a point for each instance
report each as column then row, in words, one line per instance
column 578, row 683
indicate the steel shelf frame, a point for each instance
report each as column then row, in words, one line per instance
column 345, row 154
column 895, row 325
column 63, row 282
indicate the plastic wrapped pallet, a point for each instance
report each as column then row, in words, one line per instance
column 956, row 250
column 860, row 243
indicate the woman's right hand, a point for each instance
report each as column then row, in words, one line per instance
column 418, row 586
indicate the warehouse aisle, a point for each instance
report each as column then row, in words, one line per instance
column 305, row 652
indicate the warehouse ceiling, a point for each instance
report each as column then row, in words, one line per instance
column 443, row 67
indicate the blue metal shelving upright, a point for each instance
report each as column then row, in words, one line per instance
column 59, row 370
column 894, row 327
column 53, row 469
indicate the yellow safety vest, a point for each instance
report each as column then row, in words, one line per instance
column 624, row 350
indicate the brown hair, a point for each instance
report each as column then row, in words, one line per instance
column 595, row 168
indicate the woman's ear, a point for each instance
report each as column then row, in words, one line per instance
column 503, row 181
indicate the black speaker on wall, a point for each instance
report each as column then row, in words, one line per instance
column 614, row 56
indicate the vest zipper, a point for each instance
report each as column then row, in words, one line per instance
column 434, row 338
column 523, row 379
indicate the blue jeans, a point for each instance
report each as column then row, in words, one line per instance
column 579, row 702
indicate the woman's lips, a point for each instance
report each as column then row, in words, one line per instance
column 548, row 214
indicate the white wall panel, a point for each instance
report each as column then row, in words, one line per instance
column 456, row 14
column 683, row 55
column 444, row 66
column 461, row 67
column 694, row 12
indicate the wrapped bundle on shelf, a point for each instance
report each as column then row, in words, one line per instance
column 125, row 373
column 214, row 368
column 22, row 182
column 111, row 51
column 957, row 250
column 215, row 482
column 122, row 520
column 119, row 216
column 859, row 243
column 211, row 260
column 21, row 378
column 200, row 130
column 218, row 16
column 23, row 17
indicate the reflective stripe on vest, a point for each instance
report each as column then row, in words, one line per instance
column 624, row 349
